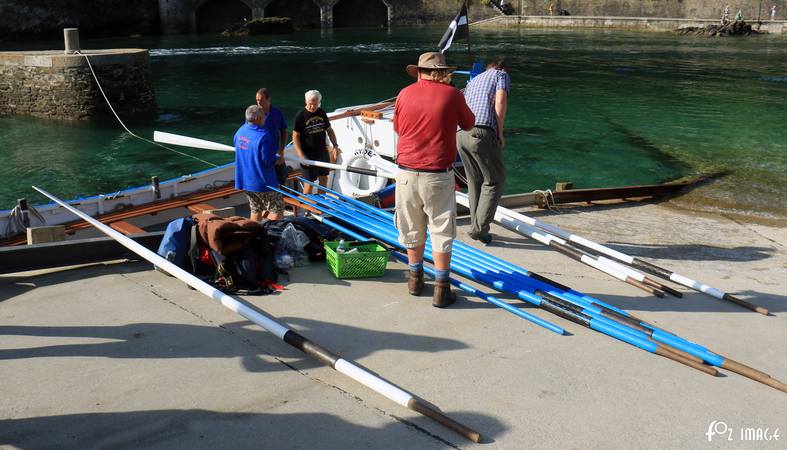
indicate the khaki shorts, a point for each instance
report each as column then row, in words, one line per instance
column 270, row 201
column 423, row 199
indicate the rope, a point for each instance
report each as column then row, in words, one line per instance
column 460, row 177
column 549, row 199
column 16, row 224
column 101, row 89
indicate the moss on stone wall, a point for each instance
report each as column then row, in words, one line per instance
column 62, row 87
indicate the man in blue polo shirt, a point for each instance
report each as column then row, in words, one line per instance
column 276, row 124
column 481, row 148
column 255, row 158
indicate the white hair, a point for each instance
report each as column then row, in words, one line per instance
column 313, row 94
column 253, row 113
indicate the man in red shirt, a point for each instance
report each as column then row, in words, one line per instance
column 426, row 116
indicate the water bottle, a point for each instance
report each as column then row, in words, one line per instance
column 342, row 247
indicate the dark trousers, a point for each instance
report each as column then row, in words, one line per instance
column 486, row 175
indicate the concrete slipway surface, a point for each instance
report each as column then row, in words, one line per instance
column 120, row 356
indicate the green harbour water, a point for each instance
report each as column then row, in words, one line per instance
column 598, row 108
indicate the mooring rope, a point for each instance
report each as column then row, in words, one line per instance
column 549, row 199
column 15, row 222
column 101, row 89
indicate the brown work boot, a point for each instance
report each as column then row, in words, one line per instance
column 415, row 282
column 443, row 295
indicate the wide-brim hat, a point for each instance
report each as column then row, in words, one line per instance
column 429, row 60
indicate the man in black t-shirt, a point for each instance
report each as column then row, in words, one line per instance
column 308, row 137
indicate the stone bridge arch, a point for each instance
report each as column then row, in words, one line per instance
column 201, row 16
column 215, row 16
column 304, row 13
column 362, row 13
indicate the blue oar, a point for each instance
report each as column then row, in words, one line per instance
column 379, row 231
column 370, row 210
column 465, row 287
column 709, row 356
column 676, row 344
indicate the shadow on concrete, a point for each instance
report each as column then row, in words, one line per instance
column 14, row 285
column 693, row 301
column 165, row 341
column 685, row 252
column 692, row 252
column 199, row 428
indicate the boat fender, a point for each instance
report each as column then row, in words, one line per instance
column 350, row 183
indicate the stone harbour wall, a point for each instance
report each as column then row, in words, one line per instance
column 52, row 85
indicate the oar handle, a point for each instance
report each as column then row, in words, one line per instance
column 362, row 171
column 662, row 287
column 652, row 268
column 661, row 351
column 422, row 407
column 651, row 290
column 745, row 304
column 754, row 374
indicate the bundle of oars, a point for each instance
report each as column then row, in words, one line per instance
column 621, row 266
column 361, row 220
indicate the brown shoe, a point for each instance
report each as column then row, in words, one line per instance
column 415, row 282
column 443, row 295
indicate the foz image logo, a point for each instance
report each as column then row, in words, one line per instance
column 721, row 429
column 718, row 428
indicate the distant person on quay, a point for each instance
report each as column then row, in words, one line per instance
column 255, row 161
column 481, row 148
column 426, row 116
column 308, row 137
column 276, row 124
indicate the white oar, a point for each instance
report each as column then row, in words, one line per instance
column 280, row 330
column 560, row 245
column 632, row 261
column 185, row 141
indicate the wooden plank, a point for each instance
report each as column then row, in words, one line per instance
column 200, row 208
column 357, row 112
column 297, row 204
column 126, row 228
column 40, row 235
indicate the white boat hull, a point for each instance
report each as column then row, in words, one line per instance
column 356, row 135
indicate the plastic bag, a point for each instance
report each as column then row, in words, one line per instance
column 292, row 243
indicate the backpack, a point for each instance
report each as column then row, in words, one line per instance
column 176, row 243
column 233, row 254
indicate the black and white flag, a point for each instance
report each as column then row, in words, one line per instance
column 457, row 29
column 498, row 5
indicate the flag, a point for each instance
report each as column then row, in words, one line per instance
column 457, row 29
column 497, row 6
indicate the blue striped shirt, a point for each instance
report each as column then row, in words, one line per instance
column 480, row 95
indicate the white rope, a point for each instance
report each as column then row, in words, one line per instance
column 16, row 223
column 549, row 199
column 460, row 177
column 124, row 125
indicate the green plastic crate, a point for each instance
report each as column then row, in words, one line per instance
column 369, row 261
